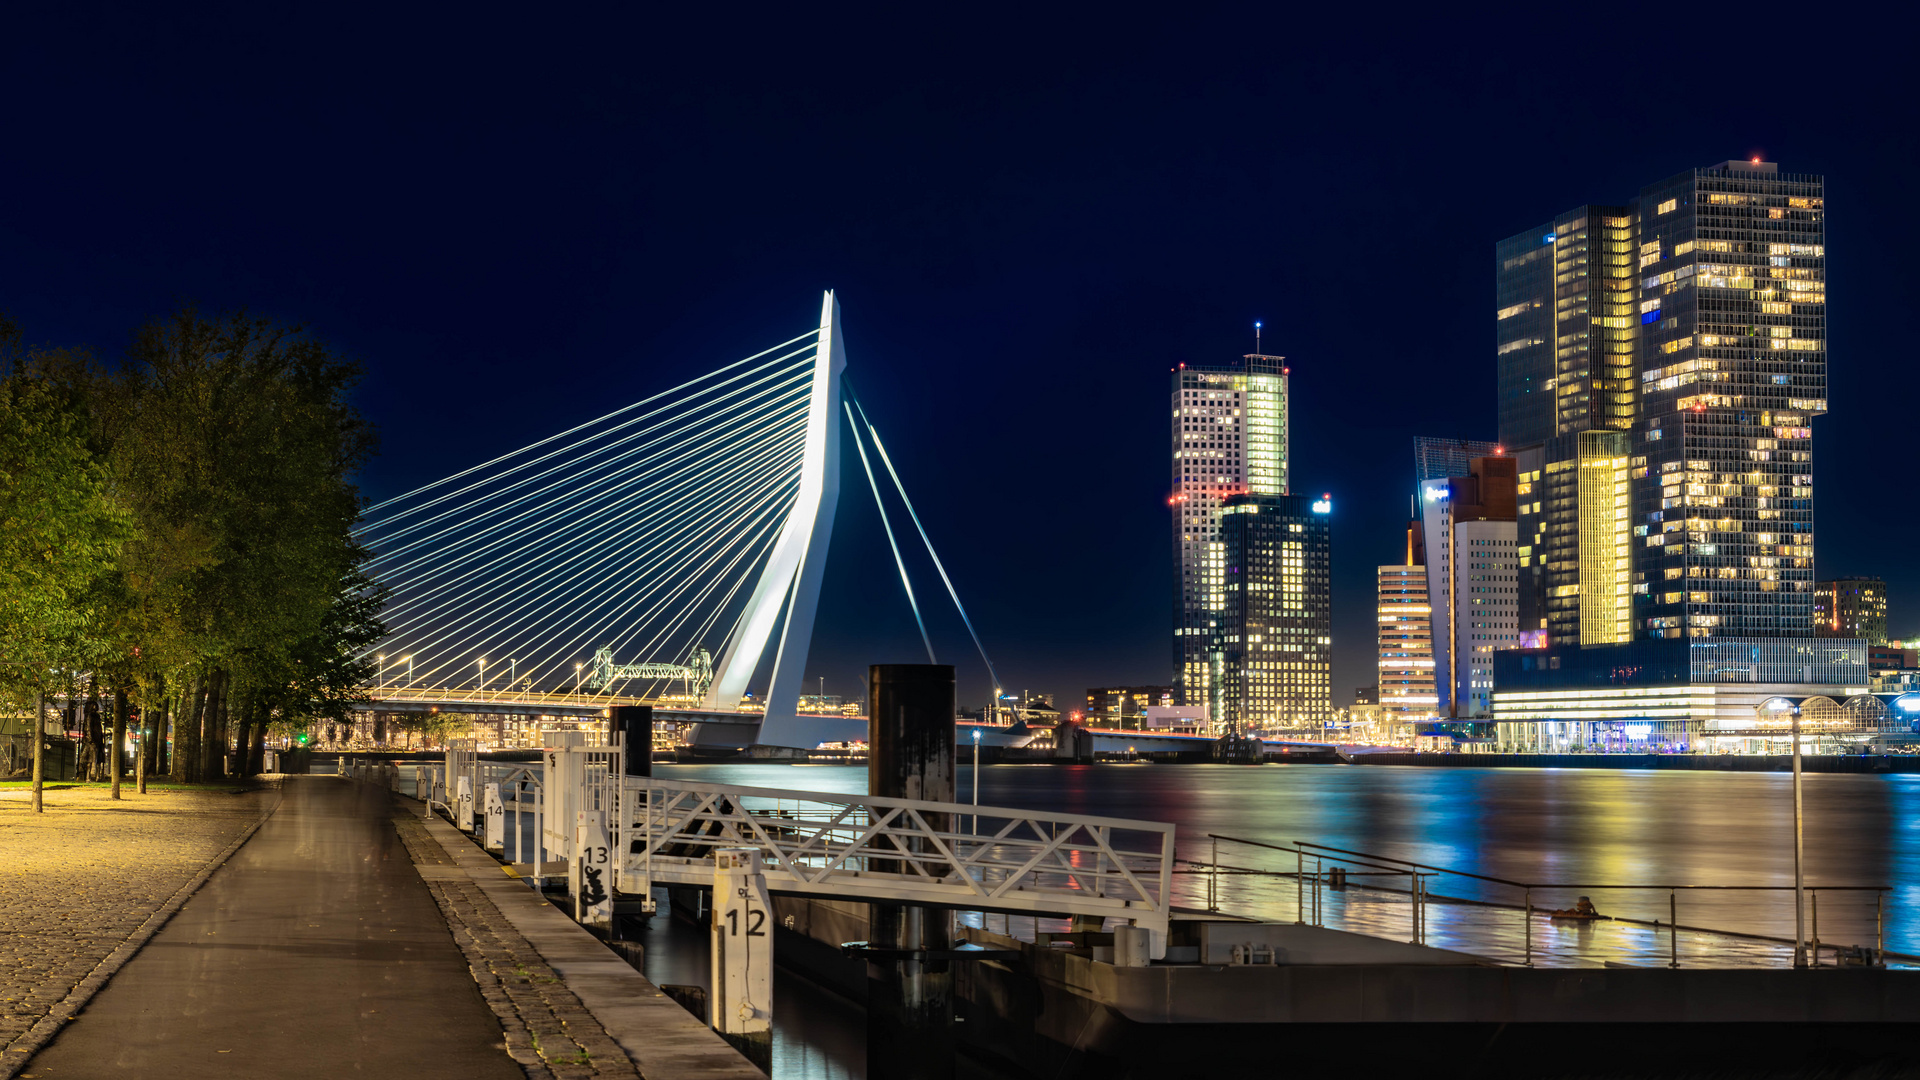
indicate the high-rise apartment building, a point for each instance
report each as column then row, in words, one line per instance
column 1732, row 306
column 1851, row 608
column 1405, row 639
column 1678, row 340
column 1276, row 631
column 1229, row 438
column 1472, row 571
column 1659, row 365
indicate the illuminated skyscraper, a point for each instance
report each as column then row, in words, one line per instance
column 1405, row 638
column 1732, row 308
column 1471, row 568
column 1276, row 632
column 1229, row 438
column 1660, row 364
column 1564, row 355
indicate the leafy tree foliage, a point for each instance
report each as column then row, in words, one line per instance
column 201, row 499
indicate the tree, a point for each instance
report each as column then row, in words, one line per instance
column 61, row 533
column 239, row 443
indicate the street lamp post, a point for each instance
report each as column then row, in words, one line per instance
column 409, row 659
column 577, row 669
column 380, row 675
column 1799, row 876
column 976, row 781
column 483, row 675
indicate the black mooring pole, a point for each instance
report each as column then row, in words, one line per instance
column 910, row 755
column 636, row 723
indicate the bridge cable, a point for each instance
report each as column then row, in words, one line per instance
column 763, row 450
column 767, row 499
column 958, row 606
column 790, row 383
column 810, row 335
column 885, row 524
column 767, row 464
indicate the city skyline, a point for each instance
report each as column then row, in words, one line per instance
column 1004, row 333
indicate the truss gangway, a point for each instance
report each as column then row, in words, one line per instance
column 866, row 848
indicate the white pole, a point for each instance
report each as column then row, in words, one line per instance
column 1799, row 876
column 976, row 781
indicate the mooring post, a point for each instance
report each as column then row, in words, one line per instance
column 910, row 755
column 741, row 1000
column 496, row 819
column 591, row 880
column 634, row 726
column 635, row 722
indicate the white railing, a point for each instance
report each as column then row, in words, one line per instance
column 900, row 850
column 580, row 771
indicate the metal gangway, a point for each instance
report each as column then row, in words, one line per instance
column 863, row 848
column 821, row 844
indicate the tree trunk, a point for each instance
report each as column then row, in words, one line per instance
column 186, row 735
column 119, row 740
column 257, row 752
column 213, row 739
column 160, row 730
column 243, row 738
column 38, row 731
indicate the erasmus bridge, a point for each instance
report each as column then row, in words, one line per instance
column 666, row 553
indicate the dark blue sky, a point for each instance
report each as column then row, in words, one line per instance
column 523, row 217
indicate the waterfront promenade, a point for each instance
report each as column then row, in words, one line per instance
column 340, row 938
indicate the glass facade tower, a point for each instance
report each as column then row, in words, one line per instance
column 1732, row 287
column 1658, row 366
column 1276, row 632
column 1229, row 438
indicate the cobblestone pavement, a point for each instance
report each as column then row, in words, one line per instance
column 547, row 1030
column 81, row 879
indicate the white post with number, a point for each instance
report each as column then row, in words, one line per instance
column 463, row 804
column 742, row 995
column 496, row 817
column 590, row 870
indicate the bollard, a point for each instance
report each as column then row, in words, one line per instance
column 1132, row 946
column 910, row 755
column 463, row 804
column 742, row 955
column 589, row 876
column 496, row 817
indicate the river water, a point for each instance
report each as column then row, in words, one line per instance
column 1581, row 826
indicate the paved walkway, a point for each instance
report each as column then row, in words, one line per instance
column 316, row 951
column 83, row 885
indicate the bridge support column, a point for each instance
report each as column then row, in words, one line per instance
column 910, row 755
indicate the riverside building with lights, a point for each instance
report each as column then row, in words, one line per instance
column 1276, row 629
column 1659, row 365
column 1468, row 523
column 1405, row 640
column 1229, row 439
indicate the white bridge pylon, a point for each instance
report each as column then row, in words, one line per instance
column 790, row 577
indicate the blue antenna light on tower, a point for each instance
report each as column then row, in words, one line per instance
column 1256, row 337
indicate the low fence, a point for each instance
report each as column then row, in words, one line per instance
column 1318, row 868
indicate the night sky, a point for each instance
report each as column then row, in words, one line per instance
column 520, row 218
